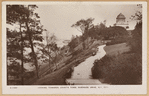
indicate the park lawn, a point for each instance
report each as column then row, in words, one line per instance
column 116, row 49
column 119, row 66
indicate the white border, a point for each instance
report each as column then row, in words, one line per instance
column 104, row 89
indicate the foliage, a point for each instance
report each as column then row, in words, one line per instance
column 14, row 55
column 124, row 68
column 121, row 69
column 73, row 43
column 83, row 26
column 15, row 13
column 96, row 31
column 14, row 68
column 114, row 32
column 28, row 21
column 136, row 41
column 138, row 15
column 51, row 49
column 13, row 45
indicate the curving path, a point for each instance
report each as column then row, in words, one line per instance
column 82, row 73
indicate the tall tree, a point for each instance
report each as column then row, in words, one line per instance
column 83, row 26
column 73, row 43
column 97, row 30
column 22, row 63
column 33, row 31
column 136, row 41
column 138, row 15
column 13, row 54
column 50, row 50
column 14, row 17
column 51, row 41
column 24, row 14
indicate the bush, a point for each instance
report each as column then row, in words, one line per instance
column 114, row 32
column 136, row 41
column 121, row 69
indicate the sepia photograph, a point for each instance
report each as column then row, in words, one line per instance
column 74, row 45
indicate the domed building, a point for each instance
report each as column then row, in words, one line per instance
column 120, row 21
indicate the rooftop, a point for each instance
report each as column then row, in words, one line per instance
column 120, row 16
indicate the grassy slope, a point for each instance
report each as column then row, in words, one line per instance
column 119, row 67
column 58, row 77
column 116, row 49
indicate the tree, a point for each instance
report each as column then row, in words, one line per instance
column 13, row 48
column 114, row 33
column 73, row 43
column 55, row 49
column 97, row 30
column 14, row 54
column 12, row 18
column 50, row 43
column 83, row 26
column 34, row 31
column 138, row 15
column 135, row 42
column 25, row 15
column 50, row 49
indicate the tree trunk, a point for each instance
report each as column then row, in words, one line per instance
column 50, row 63
column 55, row 58
column 22, row 65
column 83, row 42
column 7, row 73
column 32, row 48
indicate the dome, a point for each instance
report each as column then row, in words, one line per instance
column 120, row 16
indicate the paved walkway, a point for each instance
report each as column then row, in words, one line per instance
column 82, row 74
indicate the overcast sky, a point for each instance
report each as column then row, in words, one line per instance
column 58, row 18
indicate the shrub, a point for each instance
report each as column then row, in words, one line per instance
column 136, row 41
column 121, row 69
column 114, row 32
